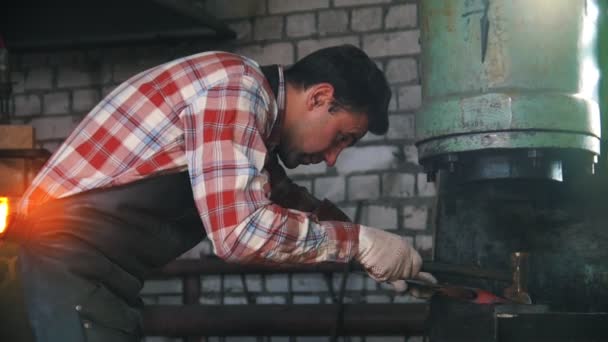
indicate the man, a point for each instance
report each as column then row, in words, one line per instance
column 186, row 150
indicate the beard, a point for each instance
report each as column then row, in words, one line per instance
column 290, row 159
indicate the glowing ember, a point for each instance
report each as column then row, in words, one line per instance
column 3, row 213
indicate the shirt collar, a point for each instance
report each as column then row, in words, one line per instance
column 275, row 134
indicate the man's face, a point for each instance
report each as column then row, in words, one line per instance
column 321, row 136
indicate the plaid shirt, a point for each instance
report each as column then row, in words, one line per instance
column 213, row 114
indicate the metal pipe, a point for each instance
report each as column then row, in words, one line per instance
column 281, row 320
column 214, row 265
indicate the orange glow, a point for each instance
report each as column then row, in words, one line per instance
column 3, row 214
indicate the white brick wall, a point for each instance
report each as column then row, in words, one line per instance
column 268, row 28
column 366, row 19
column 301, row 25
column 286, row 6
column 332, row 188
column 401, row 16
column 392, row 43
column 334, row 21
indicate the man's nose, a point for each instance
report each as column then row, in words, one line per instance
column 332, row 155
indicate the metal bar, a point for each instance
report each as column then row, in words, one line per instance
column 214, row 265
column 29, row 153
column 192, row 289
column 282, row 320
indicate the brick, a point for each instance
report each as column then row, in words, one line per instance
column 277, row 283
column 363, row 187
column 211, row 283
column 371, row 284
column 360, row 159
column 343, row 3
column 58, row 127
column 299, row 299
column 26, row 105
column 335, row 21
column 391, row 43
column 84, row 100
column 125, row 70
column 275, row 53
column 332, row 188
column 18, row 82
column 50, row 146
column 235, row 8
column 401, row 70
column 243, row 29
column 414, row 217
column 425, row 189
column 270, row 300
column 38, row 78
column 354, row 282
column 235, row 300
column 401, row 126
column 392, row 105
column 411, row 154
column 74, row 77
column 56, row 103
column 401, row 16
column 407, row 299
column 400, row 185
column 162, row 286
column 424, row 244
column 366, row 19
column 308, row 282
column 301, row 25
column 254, row 282
column 381, row 217
column 268, row 28
column 284, row 6
column 313, row 169
column 210, row 300
column 410, row 97
column 310, row 45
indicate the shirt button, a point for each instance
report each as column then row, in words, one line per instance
column 78, row 307
column 87, row 325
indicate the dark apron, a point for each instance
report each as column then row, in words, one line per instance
column 75, row 266
column 83, row 258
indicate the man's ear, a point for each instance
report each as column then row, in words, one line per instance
column 319, row 95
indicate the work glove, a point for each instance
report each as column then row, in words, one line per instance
column 389, row 258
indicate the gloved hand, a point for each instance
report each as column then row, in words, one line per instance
column 389, row 258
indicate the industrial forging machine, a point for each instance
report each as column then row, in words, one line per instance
column 515, row 99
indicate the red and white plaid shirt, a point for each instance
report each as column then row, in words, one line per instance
column 212, row 114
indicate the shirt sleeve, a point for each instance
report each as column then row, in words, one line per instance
column 226, row 154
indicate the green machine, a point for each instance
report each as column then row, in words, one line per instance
column 510, row 88
column 515, row 97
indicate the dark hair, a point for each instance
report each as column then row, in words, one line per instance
column 359, row 85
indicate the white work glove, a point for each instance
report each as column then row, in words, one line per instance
column 389, row 258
